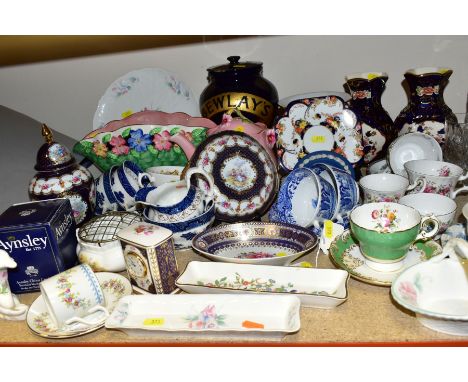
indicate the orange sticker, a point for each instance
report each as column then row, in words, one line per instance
column 252, row 325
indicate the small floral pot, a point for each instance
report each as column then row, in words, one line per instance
column 383, row 187
column 435, row 177
column 72, row 295
column 385, row 232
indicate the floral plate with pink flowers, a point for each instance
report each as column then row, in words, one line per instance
column 145, row 89
column 346, row 254
column 113, row 286
column 144, row 138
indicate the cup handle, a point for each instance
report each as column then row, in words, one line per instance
column 420, row 184
column 208, row 177
column 463, row 177
column 427, row 235
column 144, row 179
column 456, row 192
column 85, row 321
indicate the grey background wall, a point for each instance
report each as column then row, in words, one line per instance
column 65, row 93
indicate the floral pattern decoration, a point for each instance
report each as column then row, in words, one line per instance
column 67, row 296
column 100, row 149
column 408, row 292
column 42, row 323
column 259, row 255
column 119, row 145
column 385, row 219
column 161, row 141
column 206, row 319
column 4, row 289
column 444, row 171
column 145, row 229
column 256, row 284
column 433, row 188
column 114, row 286
column 139, row 141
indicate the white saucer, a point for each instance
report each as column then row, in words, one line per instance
column 114, row 287
column 412, row 146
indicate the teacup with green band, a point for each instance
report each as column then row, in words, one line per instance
column 385, row 232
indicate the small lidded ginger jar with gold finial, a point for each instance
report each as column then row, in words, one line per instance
column 59, row 176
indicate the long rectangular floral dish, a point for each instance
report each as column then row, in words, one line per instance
column 144, row 138
column 316, row 288
column 222, row 315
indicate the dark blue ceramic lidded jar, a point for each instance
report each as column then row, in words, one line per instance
column 426, row 111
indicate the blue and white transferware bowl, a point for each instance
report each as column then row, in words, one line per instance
column 255, row 243
column 304, row 199
column 347, row 190
column 326, row 157
column 185, row 231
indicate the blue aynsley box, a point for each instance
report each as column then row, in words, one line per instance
column 40, row 237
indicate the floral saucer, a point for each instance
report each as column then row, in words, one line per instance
column 345, row 254
column 317, row 124
column 244, row 175
column 326, row 157
column 114, row 287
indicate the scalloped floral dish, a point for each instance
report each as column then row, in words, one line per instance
column 114, row 287
column 345, row 254
column 143, row 138
column 317, row 288
column 206, row 315
column 255, row 243
column 317, row 124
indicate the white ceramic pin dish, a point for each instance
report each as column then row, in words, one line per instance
column 412, row 146
column 437, row 292
column 207, row 315
column 317, row 288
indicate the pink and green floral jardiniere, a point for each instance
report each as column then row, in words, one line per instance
column 145, row 138
column 385, row 231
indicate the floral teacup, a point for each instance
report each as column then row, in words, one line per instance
column 72, row 295
column 383, row 187
column 441, row 206
column 435, row 177
column 385, row 232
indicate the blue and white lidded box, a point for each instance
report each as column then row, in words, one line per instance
column 40, row 237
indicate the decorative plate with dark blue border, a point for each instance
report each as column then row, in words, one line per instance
column 326, row 157
column 245, row 177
